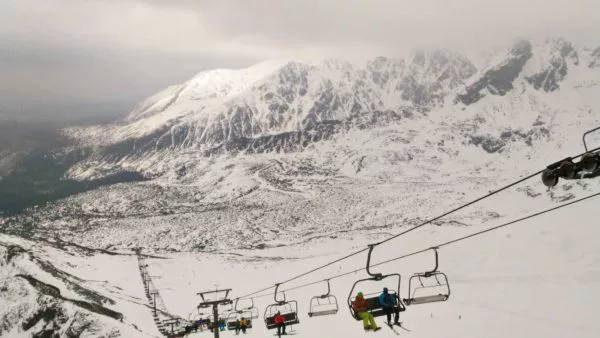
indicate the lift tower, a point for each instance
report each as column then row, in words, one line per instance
column 215, row 306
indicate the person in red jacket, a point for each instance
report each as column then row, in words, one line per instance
column 279, row 323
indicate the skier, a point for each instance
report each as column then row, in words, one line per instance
column 360, row 308
column 389, row 303
column 280, row 324
column 243, row 325
column 237, row 326
column 222, row 324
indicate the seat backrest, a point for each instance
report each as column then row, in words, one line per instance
column 373, row 303
column 323, row 312
column 428, row 299
column 376, row 309
column 290, row 317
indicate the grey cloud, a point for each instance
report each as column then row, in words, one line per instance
column 50, row 76
column 389, row 25
column 62, row 51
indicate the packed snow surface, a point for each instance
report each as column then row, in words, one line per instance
column 537, row 278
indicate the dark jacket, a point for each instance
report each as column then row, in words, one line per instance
column 387, row 300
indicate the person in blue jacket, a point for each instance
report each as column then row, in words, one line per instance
column 389, row 302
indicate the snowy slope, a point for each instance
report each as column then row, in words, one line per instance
column 69, row 291
column 537, row 278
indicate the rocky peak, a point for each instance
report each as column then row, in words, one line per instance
column 553, row 64
column 498, row 79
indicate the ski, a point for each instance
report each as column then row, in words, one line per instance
column 400, row 324
column 392, row 328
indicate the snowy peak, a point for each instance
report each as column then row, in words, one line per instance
column 551, row 64
column 424, row 79
column 206, row 86
column 287, row 105
column 155, row 104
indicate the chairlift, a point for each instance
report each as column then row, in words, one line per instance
column 372, row 299
column 587, row 167
column 252, row 309
column 288, row 309
column 323, row 305
column 204, row 314
column 235, row 315
column 419, row 293
column 226, row 309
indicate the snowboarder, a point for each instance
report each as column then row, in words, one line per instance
column 360, row 308
column 279, row 321
column 389, row 303
column 243, row 325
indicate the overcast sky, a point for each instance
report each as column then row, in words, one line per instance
column 80, row 52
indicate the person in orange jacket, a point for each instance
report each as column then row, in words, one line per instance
column 279, row 323
column 361, row 309
column 243, row 325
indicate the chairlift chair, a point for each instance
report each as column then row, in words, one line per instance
column 438, row 281
column 235, row 315
column 372, row 299
column 288, row 309
column 323, row 305
column 587, row 167
column 226, row 309
column 252, row 309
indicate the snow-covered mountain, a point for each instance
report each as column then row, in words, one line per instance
column 287, row 162
column 288, row 105
column 234, row 155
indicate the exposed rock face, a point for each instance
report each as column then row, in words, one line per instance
column 38, row 309
column 595, row 62
column 555, row 66
column 498, row 80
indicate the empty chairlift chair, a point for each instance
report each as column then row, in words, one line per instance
column 323, row 305
column 372, row 299
column 253, row 310
column 288, row 309
column 428, row 287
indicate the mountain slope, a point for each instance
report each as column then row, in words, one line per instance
column 287, row 106
column 67, row 291
column 269, row 178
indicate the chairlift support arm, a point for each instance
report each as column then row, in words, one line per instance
column 328, row 290
column 376, row 276
column 429, row 273
column 275, row 295
column 587, row 133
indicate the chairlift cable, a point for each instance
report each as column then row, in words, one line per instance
column 402, row 233
column 490, row 194
column 444, row 244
